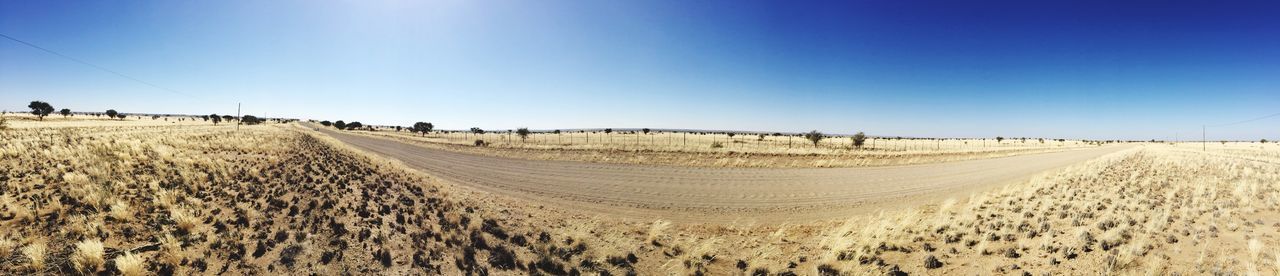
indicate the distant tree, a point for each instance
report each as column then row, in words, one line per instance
column 760, row 137
column 205, row 117
column 354, row 125
column 326, row 123
column 556, row 131
column 40, row 109
column 814, row 136
column 65, row 112
column 399, row 128
column 999, row 139
column 731, row 134
column 859, row 139
column 251, row 120
column 608, row 130
column 340, row 124
column 111, row 113
column 228, row 118
column 477, row 130
column 523, row 133
column 155, row 117
column 1264, row 141
column 423, row 127
column 1042, row 140
column 215, row 118
column 645, row 130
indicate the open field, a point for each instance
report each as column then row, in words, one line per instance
column 699, row 149
column 284, row 199
column 25, row 120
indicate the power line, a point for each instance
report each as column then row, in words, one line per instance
column 104, row 69
column 1204, row 129
column 1246, row 121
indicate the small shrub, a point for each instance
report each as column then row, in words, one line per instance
column 859, row 139
column 716, row 145
column 481, row 143
column 931, row 262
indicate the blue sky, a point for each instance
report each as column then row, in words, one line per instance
column 1074, row 69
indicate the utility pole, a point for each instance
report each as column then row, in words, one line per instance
column 238, row 117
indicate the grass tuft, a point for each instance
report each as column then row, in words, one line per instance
column 88, row 256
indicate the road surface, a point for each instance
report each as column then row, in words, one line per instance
column 719, row 195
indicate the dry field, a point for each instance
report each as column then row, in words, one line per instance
column 26, row 120
column 138, row 200
column 741, row 150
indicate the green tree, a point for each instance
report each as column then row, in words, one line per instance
column 423, row 127
column 859, row 139
column 251, row 120
column 215, row 118
column 815, row 137
column 111, row 113
column 326, row 123
column 40, row 109
column 354, row 125
column 477, row 130
column 340, row 125
column 65, row 112
column 999, row 139
column 645, row 130
column 523, row 132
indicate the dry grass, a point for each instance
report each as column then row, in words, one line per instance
column 129, row 264
column 35, row 252
column 695, row 149
column 1158, row 209
column 275, row 199
column 88, row 256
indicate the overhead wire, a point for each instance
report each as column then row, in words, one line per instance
column 95, row 66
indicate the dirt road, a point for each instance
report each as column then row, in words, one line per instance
column 718, row 195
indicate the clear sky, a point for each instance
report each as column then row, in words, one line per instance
column 1072, row 69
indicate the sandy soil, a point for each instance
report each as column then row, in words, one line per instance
column 718, row 195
